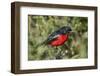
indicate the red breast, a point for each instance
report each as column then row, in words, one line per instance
column 60, row 40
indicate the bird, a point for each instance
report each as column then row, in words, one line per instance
column 58, row 37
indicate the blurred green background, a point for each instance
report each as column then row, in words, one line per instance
column 40, row 27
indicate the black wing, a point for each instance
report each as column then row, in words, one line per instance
column 51, row 38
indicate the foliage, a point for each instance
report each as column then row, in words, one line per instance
column 40, row 27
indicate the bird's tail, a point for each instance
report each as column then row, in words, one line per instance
column 42, row 43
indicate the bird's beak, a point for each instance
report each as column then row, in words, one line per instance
column 71, row 32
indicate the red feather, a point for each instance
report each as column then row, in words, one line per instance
column 60, row 40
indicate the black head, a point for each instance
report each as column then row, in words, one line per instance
column 65, row 29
